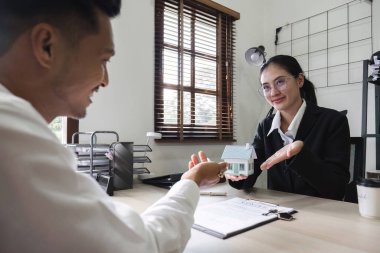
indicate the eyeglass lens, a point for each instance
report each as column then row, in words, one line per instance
column 280, row 84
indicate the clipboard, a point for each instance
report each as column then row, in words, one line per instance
column 230, row 217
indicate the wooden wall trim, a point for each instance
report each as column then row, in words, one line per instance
column 72, row 127
column 221, row 8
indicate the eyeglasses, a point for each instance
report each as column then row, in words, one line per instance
column 280, row 84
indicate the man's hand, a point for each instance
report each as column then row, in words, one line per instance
column 284, row 153
column 204, row 173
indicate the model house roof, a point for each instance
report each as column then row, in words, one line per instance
column 245, row 152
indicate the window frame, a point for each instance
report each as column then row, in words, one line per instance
column 223, row 130
column 71, row 128
column 68, row 126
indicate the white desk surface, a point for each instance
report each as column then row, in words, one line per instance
column 321, row 225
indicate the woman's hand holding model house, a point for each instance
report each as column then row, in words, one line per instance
column 282, row 154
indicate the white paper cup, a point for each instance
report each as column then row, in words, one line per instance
column 369, row 197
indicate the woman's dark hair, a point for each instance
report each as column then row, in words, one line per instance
column 291, row 65
column 74, row 18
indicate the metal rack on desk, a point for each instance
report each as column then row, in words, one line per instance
column 92, row 158
column 141, row 159
column 112, row 165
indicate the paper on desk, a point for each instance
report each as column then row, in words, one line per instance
column 227, row 218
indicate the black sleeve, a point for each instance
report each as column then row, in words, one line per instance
column 327, row 171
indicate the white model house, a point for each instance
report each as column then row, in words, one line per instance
column 239, row 159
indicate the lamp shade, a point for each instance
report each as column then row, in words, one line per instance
column 154, row 135
column 255, row 55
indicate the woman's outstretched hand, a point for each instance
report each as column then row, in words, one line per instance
column 284, row 153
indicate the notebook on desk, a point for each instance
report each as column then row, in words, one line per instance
column 166, row 181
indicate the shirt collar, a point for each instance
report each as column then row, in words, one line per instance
column 294, row 125
column 276, row 123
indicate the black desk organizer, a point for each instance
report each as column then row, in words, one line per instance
column 110, row 164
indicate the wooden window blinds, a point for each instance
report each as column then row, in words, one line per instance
column 194, row 48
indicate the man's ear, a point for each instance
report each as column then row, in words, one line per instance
column 43, row 38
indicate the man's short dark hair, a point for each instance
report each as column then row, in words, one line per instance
column 74, row 18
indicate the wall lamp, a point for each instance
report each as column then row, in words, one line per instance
column 255, row 55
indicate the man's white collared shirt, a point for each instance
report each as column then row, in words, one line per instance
column 46, row 206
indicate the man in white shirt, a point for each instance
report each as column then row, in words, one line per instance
column 53, row 56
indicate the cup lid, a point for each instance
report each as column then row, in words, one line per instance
column 369, row 182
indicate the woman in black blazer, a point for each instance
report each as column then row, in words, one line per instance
column 305, row 148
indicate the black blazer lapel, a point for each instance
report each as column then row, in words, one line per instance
column 310, row 116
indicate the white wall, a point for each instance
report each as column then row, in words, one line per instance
column 126, row 106
column 347, row 97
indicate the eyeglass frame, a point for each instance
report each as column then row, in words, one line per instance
column 275, row 85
